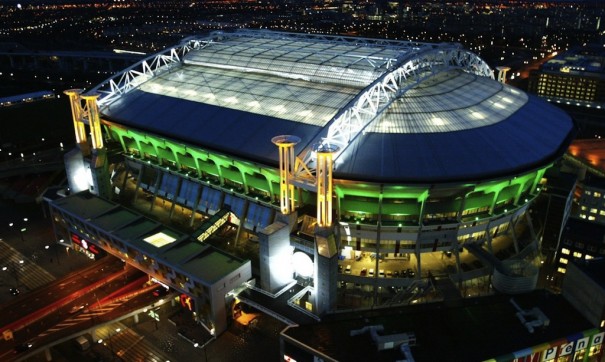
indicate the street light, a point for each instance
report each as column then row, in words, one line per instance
column 13, row 268
column 22, row 229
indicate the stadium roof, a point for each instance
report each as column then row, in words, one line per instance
column 399, row 111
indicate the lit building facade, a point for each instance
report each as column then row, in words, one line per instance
column 592, row 199
column 319, row 144
column 575, row 77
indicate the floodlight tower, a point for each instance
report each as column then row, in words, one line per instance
column 502, row 73
column 87, row 166
column 326, row 250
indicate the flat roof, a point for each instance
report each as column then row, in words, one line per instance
column 473, row 330
column 593, row 268
column 179, row 250
column 588, row 60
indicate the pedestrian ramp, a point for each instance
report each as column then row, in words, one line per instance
column 212, row 225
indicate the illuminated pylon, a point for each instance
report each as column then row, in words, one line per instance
column 502, row 73
column 76, row 114
column 94, row 121
column 324, row 183
column 286, row 144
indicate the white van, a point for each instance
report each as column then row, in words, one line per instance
column 348, row 269
column 371, row 272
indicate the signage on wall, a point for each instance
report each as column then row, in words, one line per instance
column 187, row 302
column 580, row 344
column 85, row 244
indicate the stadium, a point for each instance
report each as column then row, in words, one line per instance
column 329, row 152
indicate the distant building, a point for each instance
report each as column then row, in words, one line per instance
column 584, row 288
column 558, row 195
column 581, row 240
column 584, row 233
column 592, row 199
column 575, row 77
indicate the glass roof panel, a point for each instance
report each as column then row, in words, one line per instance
column 295, row 100
column 450, row 101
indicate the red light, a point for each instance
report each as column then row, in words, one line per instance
column 187, row 302
column 85, row 244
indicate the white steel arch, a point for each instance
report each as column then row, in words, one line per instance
column 353, row 119
column 135, row 75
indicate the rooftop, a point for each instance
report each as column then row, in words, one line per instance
column 477, row 329
column 593, row 268
column 202, row 261
column 588, row 61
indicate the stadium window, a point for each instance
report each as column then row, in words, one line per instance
column 591, row 218
column 565, row 251
column 563, row 261
column 597, row 194
column 602, row 212
column 577, row 254
column 588, row 257
column 561, row 270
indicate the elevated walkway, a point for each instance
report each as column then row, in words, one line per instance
column 487, row 258
column 277, row 305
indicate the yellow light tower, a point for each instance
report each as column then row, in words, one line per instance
column 502, row 73
column 94, row 121
column 77, row 114
column 286, row 144
column 324, row 183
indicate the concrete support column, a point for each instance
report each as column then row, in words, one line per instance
column 158, row 178
column 243, row 221
column 198, row 197
column 136, row 318
column 47, row 354
column 511, row 227
column 136, row 189
column 177, row 192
